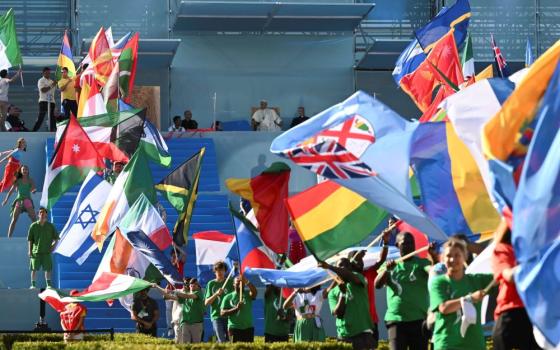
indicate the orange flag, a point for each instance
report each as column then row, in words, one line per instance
column 101, row 57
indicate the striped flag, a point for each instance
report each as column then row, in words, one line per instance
column 10, row 54
column 127, row 67
column 65, row 58
column 211, row 246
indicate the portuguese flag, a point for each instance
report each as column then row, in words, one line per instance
column 330, row 218
column 267, row 193
column 74, row 156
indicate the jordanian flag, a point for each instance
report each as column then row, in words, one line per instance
column 134, row 180
column 330, row 218
column 108, row 286
column 267, row 193
column 10, row 54
column 127, row 68
column 75, row 155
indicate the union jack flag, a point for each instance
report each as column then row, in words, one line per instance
column 500, row 60
column 331, row 160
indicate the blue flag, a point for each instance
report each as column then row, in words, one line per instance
column 536, row 219
column 454, row 18
column 365, row 146
column 408, row 61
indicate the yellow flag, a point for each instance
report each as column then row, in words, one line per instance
column 488, row 72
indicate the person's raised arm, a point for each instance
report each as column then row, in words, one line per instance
column 346, row 275
column 226, row 312
column 14, row 77
column 451, row 306
column 252, row 288
column 384, row 250
column 210, row 300
column 166, row 295
column 290, row 300
column 382, row 279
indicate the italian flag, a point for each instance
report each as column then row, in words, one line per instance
column 330, row 218
column 134, row 180
column 10, row 54
column 467, row 59
column 74, row 157
column 108, row 286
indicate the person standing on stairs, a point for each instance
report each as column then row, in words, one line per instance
column 42, row 238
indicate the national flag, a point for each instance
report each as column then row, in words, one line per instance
column 330, row 218
column 306, row 273
column 454, row 19
column 483, row 264
column 470, row 108
column 74, row 156
column 114, row 135
column 10, row 54
column 382, row 145
column 107, row 287
column 252, row 252
column 266, row 193
column 408, row 61
column 127, row 67
column 453, row 192
column 536, row 217
column 528, row 54
column 433, row 113
column 190, row 174
column 94, row 103
column 75, row 237
column 86, row 81
column 101, row 58
column 178, row 186
column 134, row 180
column 212, row 246
column 111, row 91
column 117, row 49
column 65, row 58
column 467, row 59
column 440, row 67
column 486, row 73
column 501, row 64
column 154, row 144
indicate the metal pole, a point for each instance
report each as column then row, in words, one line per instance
column 214, row 111
column 537, row 26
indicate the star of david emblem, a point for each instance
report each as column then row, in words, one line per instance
column 87, row 216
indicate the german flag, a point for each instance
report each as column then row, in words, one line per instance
column 330, row 218
column 180, row 188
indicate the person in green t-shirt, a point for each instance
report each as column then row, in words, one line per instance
column 407, row 296
column 42, row 238
column 307, row 305
column 23, row 202
column 349, row 303
column 237, row 306
column 215, row 290
column 453, row 292
column 276, row 319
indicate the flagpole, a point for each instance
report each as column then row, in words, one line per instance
column 21, row 75
column 380, row 236
column 214, row 111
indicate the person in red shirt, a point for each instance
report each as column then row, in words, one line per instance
column 513, row 329
column 72, row 319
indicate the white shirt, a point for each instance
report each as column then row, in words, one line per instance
column 268, row 119
column 310, row 303
column 173, row 128
column 49, row 95
column 4, row 88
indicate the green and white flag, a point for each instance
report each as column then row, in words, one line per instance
column 10, row 54
column 467, row 59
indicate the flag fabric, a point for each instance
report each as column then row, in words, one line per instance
column 154, row 145
column 454, row 19
column 190, row 171
column 536, row 218
column 467, row 59
column 86, row 81
column 486, row 73
column 252, row 251
column 266, row 193
column 440, row 67
column 117, row 49
column 94, row 103
column 178, row 185
column 107, row 287
column 367, row 150
column 306, row 273
column 111, row 91
column 434, row 113
column 211, row 246
column 470, row 108
column 114, row 135
column 453, row 192
column 10, row 53
column 127, row 67
column 134, row 180
column 101, row 58
column 408, row 61
column 499, row 60
column 65, row 58
column 75, row 155
column 330, row 218
column 528, row 54
column 75, row 237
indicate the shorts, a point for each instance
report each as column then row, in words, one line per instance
column 25, row 203
column 40, row 261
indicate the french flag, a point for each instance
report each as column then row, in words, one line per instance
column 211, row 246
column 252, row 252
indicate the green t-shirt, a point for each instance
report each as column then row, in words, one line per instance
column 242, row 319
column 407, row 291
column 447, row 329
column 211, row 288
column 272, row 325
column 193, row 309
column 356, row 318
column 42, row 237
